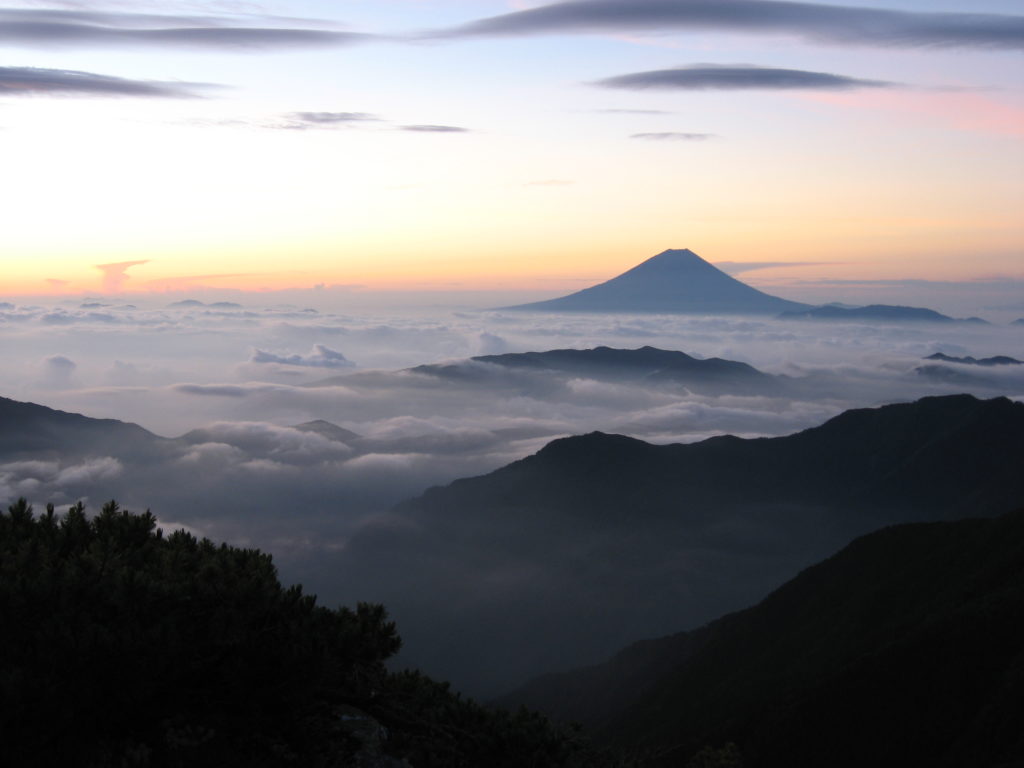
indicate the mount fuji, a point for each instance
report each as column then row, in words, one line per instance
column 674, row 281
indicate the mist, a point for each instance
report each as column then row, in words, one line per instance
column 223, row 386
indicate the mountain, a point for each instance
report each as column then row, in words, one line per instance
column 985, row 361
column 992, row 373
column 329, row 430
column 886, row 312
column 560, row 558
column 903, row 649
column 674, row 281
column 34, row 431
column 645, row 364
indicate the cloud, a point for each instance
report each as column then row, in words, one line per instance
column 258, row 440
column 634, row 112
column 116, row 273
column 242, row 474
column 319, row 357
column 492, row 344
column 700, row 77
column 301, row 120
column 57, row 28
column 91, row 471
column 33, row 81
column 57, row 371
column 673, row 136
column 434, row 128
column 844, row 25
column 212, row 390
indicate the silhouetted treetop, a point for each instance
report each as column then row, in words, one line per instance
column 123, row 646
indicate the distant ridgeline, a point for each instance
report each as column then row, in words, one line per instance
column 597, row 540
column 647, row 364
column 125, row 647
column 672, row 281
column 680, row 281
column 883, row 312
column 984, row 361
column 903, row 649
column 122, row 646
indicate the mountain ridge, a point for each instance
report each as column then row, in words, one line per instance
column 597, row 537
column 882, row 312
column 899, row 649
column 647, row 363
column 673, row 281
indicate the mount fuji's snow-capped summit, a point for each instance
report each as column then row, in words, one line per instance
column 673, row 281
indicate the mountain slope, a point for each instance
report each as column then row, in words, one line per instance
column 34, row 431
column 905, row 648
column 987, row 362
column 674, row 281
column 597, row 540
column 648, row 364
column 881, row 312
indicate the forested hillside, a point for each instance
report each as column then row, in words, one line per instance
column 125, row 647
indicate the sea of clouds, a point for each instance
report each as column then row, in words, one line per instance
column 229, row 382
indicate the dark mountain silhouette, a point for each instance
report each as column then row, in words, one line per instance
column 674, row 281
column 1018, row 321
column 886, row 312
column 35, row 431
column 562, row 557
column 122, row 646
column 647, row 363
column 902, row 649
column 985, row 361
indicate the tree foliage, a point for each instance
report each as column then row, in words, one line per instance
column 122, row 646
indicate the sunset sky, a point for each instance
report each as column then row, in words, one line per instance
column 505, row 144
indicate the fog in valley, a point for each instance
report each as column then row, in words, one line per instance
column 227, row 384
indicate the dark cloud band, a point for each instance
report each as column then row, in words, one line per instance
column 823, row 23
column 65, row 28
column 705, row 77
column 32, row 81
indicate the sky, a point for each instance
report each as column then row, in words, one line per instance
column 221, row 220
column 476, row 145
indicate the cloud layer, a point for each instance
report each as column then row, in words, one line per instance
column 706, row 77
column 63, row 28
column 35, row 81
column 810, row 21
column 672, row 136
column 288, row 449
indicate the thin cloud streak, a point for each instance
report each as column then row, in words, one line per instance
column 35, row 81
column 635, row 112
column 846, row 25
column 705, row 77
column 434, row 128
column 672, row 136
column 55, row 28
column 331, row 118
